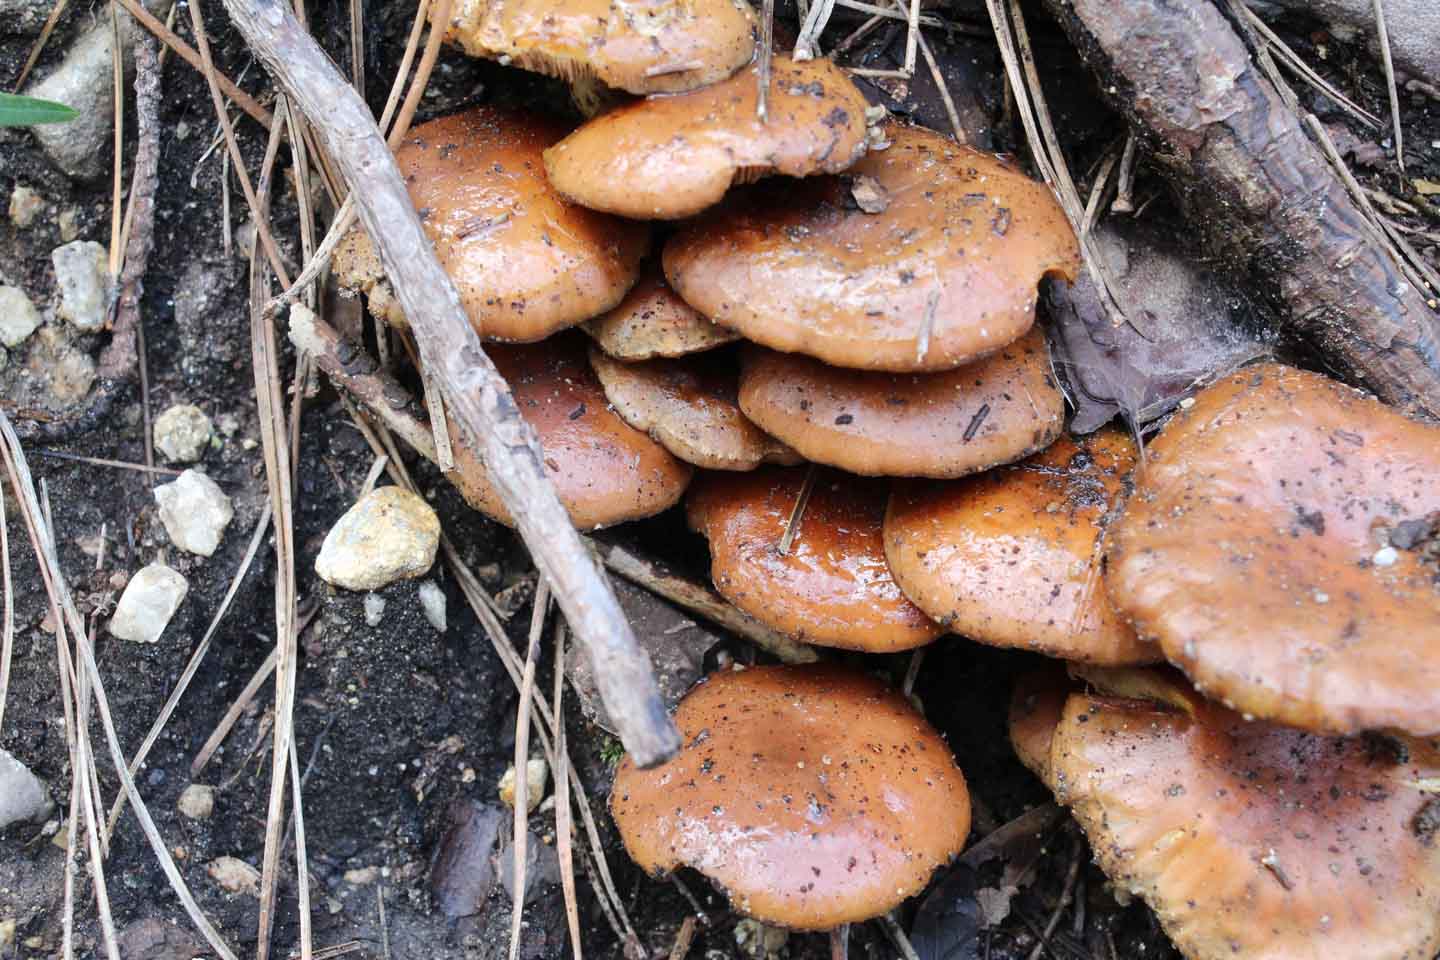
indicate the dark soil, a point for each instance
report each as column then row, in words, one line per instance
column 398, row 724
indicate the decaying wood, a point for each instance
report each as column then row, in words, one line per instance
column 1262, row 191
column 478, row 398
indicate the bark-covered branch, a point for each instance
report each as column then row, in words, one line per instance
column 476, row 394
column 1261, row 190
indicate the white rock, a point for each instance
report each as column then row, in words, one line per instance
column 234, row 875
column 197, row 801
column 195, row 512
column 18, row 316
column 537, row 774
column 23, row 796
column 80, row 275
column 432, row 604
column 388, row 535
column 374, row 609
column 150, row 599
column 182, row 433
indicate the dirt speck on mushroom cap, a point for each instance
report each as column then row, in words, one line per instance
column 833, row 588
column 1251, row 839
column 1256, row 551
column 947, row 274
column 814, row 796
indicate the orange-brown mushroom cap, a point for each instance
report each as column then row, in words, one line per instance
column 946, row 273
column 832, row 588
column 652, row 321
column 995, row 410
column 1012, row 557
column 526, row 262
column 688, row 406
column 643, row 46
column 1036, row 703
column 1258, row 549
column 814, row 796
column 604, row 471
column 1254, row 840
column 671, row 157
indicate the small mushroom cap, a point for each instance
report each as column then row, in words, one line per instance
column 832, row 589
column 1012, row 557
column 948, row 424
column 1036, row 704
column 652, row 321
column 643, row 46
column 670, row 157
column 605, row 471
column 1254, row 840
column 945, row 274
column 1258, row 550
column 815, row 796
column 526, row 262
column 687, row 405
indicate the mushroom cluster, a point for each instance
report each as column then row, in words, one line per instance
column 818, row 329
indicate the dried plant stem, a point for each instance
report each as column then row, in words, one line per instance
column 522, row 760
column 7, row 615
column 1382, row 36
column 478, row 397
column 564, row 821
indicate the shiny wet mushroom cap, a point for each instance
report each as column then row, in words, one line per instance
column 652, row 321
column 948, row 424
column 831, row 588
column 1012, row 557
column 604, row 471
column 1250, row 839
column 1283, row 546
column 944, row 273
column 814, row 796
column 671, row 157
column 687, row 405
column 643, row 46
column 526, row 262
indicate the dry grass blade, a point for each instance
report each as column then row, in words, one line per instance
column 232, row 715
column 7, row 614
column 302, row 859
column 767, row 55
column 83, row 768
column 1382, row 36
column 102, row 462
column 265, row 360
column 187, row 53
column 1296, row 63
column 56, row 12
column 196, row 658
column 55, row 584
column 564, row 822
column 797, row 513
column 522, row 763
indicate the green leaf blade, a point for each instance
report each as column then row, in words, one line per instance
column 18, row 111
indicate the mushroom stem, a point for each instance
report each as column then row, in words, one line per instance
column 479, row 398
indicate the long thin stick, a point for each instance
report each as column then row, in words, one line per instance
column 478, row 397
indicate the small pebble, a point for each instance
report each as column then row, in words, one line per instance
column 23, row 797
column 150, row 599
column 389, row 534
column 432, row 604
column 18, row 316
column 182, row 433
column 537, row 774
column 1385, row 557
column 197, row 801
column 235, row 875
column 195, row 512
column 80, row 275
column 25, row 206
column 374, row 609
